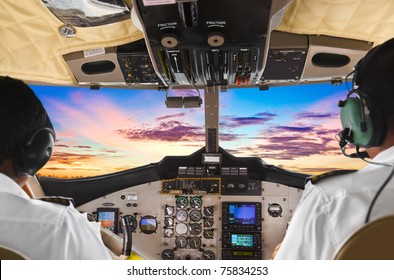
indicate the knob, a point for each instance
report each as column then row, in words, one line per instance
column 215, row 39
column 169, row 41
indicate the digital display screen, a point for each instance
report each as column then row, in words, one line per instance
column 107, row 220
column 241, row 240
column 242, row 214
column 243, row 253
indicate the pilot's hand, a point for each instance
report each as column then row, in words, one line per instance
column 276, row 251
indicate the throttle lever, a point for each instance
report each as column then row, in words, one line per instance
column 126, row 224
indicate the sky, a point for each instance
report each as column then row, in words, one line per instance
column 109, row 130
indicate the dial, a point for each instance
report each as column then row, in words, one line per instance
column 181, row 242
column 168, row 210
column 168, row 233
column 181, row 201
column 195, row 228
column 195, row 202
column 275, row 210
column 195, row 242
column 181, row 215
column 208, row 255
column 148, row 224
column 195, row 215
column 208, row 211
column 208, row 233
column 181, row 228
column 208, row 222
column 169, row 221
column 167, row 254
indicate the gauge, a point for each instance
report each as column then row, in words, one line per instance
column 208, row 233
column 195, row 201
column 181, row 201
column 195, row 215
column 275, row 210
column 167, row 254
column 181, row 215
column 181, row 242
column 195, row 242
column 195, row 228
column 208, row 255
column 208, row 222
column 168, row 233
column 208, row 211
column 148, row 224
column 169, row 221
column 168, row 210
column 181, row 228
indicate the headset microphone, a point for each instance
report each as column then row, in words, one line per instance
column 344, row 139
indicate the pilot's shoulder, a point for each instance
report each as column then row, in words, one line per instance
column 61, row 200
column 320, row 177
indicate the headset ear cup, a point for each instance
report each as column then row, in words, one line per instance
column 363, row 119
column 35, row 153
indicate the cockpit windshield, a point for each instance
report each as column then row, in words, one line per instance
column 109, row 130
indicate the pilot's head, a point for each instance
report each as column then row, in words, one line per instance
column 367, row 114
column 26, row 132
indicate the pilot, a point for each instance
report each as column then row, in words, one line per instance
column 36, row 229
column 334, row 207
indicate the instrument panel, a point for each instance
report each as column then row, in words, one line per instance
column 200, row 222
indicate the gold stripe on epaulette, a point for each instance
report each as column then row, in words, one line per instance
column 319, row 177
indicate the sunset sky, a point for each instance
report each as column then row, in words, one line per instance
column 108, row 130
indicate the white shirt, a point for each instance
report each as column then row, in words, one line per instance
column 42, row 230
column 330, row 211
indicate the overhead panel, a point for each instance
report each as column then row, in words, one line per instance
column 214, row 43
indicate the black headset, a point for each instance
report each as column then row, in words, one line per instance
column 362, row 122
column 34, row 152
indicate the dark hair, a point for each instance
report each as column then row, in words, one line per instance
column 21, row 114
column 375, row 77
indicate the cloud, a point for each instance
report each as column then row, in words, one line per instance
column 292, row 142
column 295, row 128
column 109, row 151
column 71, row 158
column 82, row 147
column 166, row 131
column 171, row 116
column 257, row 119
column 315, row 115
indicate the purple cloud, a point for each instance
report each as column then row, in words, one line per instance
column 257, row 119
column 313, row 115
column 166, row 131
column 291, row 142
column 295, row 128
column 171, row 116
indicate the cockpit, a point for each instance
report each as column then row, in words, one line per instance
column 120, row 78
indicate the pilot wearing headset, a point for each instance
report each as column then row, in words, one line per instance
column 334, row 207
column 36, row 229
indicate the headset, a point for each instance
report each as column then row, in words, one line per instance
column 34, row 152
column 362, row 122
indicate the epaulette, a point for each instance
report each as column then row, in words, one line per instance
column 66, row 201
column 316, row 178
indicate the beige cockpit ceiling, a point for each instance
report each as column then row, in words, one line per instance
column 32, row 49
